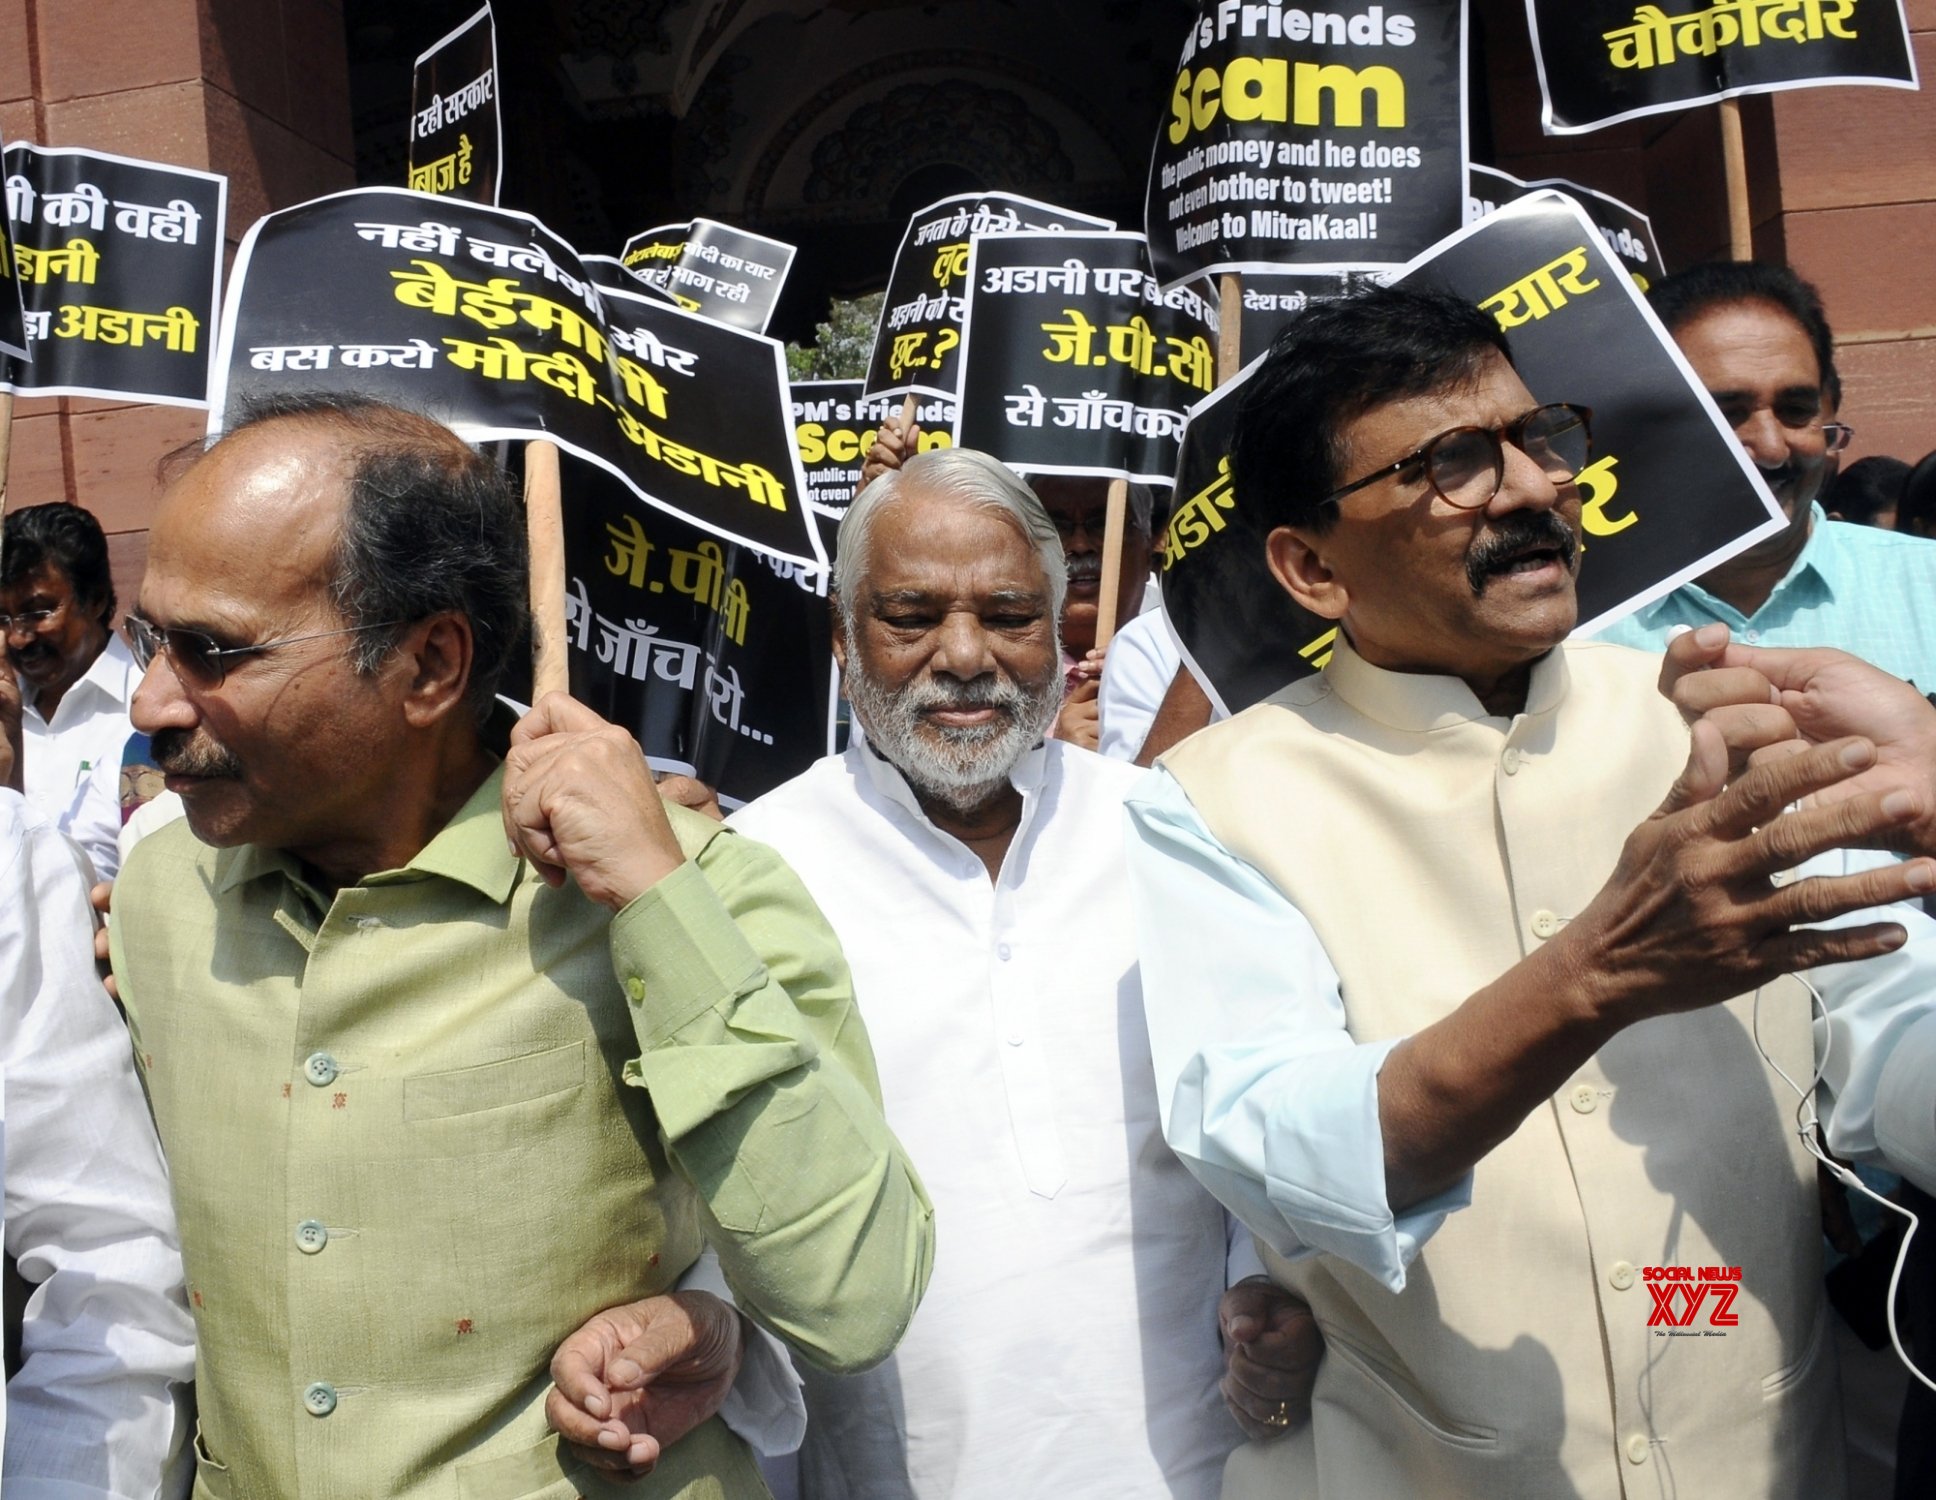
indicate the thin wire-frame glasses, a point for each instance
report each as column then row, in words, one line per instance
column 195, row 655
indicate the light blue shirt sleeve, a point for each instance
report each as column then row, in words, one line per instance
column 1264, row 1095
column 1877, row 1043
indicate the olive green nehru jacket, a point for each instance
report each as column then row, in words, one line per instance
column 421, row 1129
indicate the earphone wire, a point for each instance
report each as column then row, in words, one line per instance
column 1808, row 1126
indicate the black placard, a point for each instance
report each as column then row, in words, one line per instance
column 1669, row 493
column 119, row 266
column 1603, row 61
column 1074, row 362
column 13, row 324
column 834, row 426
column 486, row 319
column 1326, row 141
column 713, row 269
column 1628, row 233
column 456, row 137
column 717, row 657
column 917, row 347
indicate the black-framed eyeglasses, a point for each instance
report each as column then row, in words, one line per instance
column 1466, row 465
column 196, row 657
column 28, row 621
column 1835, row 435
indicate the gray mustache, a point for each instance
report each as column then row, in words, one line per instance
column 178, row 755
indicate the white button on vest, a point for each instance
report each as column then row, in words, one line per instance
column 1002, row 952
column 311, row 1236
column 1509, row 762
column 1620, row 1276
column 1637, row 1449
column 1584, row 1100
column 320, row 1069
column 1546, row 924
column 319, row 1400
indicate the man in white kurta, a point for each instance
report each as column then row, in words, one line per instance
column 1455, row 958
column 106, row 1341
column 1068, row 1345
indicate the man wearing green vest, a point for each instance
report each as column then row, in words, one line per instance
column 1469, row 973
column 438, row 1079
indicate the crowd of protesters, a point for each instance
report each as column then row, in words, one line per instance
column 1364, row 1101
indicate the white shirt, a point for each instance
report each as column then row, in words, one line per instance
column 88, row 733
column 105, row 1333
column 1068, row 1342
column 1275, row 1107
column 1136, row 675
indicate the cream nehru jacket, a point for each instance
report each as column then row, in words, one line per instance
column 1432, row 847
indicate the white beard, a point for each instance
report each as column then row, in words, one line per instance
column 963, row 766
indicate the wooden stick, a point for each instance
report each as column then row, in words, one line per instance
column 907, row 413
column 544, row 520
column 6, row 443
column 1734, row 156
column 1230, row 327
column 1112, row 562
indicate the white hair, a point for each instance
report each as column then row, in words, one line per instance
column 961, row 474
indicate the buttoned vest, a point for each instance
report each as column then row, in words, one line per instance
column 392, row 1211
column 1432, row 847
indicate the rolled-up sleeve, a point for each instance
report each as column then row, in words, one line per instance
column 1264, row 1094
column 766, row 1092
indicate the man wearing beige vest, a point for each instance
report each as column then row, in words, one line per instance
column 1454, row 957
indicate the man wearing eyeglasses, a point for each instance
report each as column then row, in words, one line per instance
column 452, row 1043
column 1759, row 341
column 1451, row 956
column 75, row 676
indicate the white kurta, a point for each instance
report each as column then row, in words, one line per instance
column 105, row 1332
column 81, row 746
column 1068, row 1342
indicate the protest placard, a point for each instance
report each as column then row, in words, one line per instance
column 13, row 322
column 1310, row 139
column 713, row 269
column 718, row 658
column 1628, row 233
column 456, row 146
column 1074, row 362
column 119, row 265
column 485, row 319
column 834, row 426
column 917, row 348
column 1668, row 494
column 1604, row 61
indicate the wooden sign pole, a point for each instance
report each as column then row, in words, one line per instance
column 1112, row 562
column 544, row 519
column 6, row 444
column 1734, row 157
column 1230, row 327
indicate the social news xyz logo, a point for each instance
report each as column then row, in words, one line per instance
column 1699, row 1299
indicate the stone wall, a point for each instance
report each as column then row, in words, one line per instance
column 255, row 89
